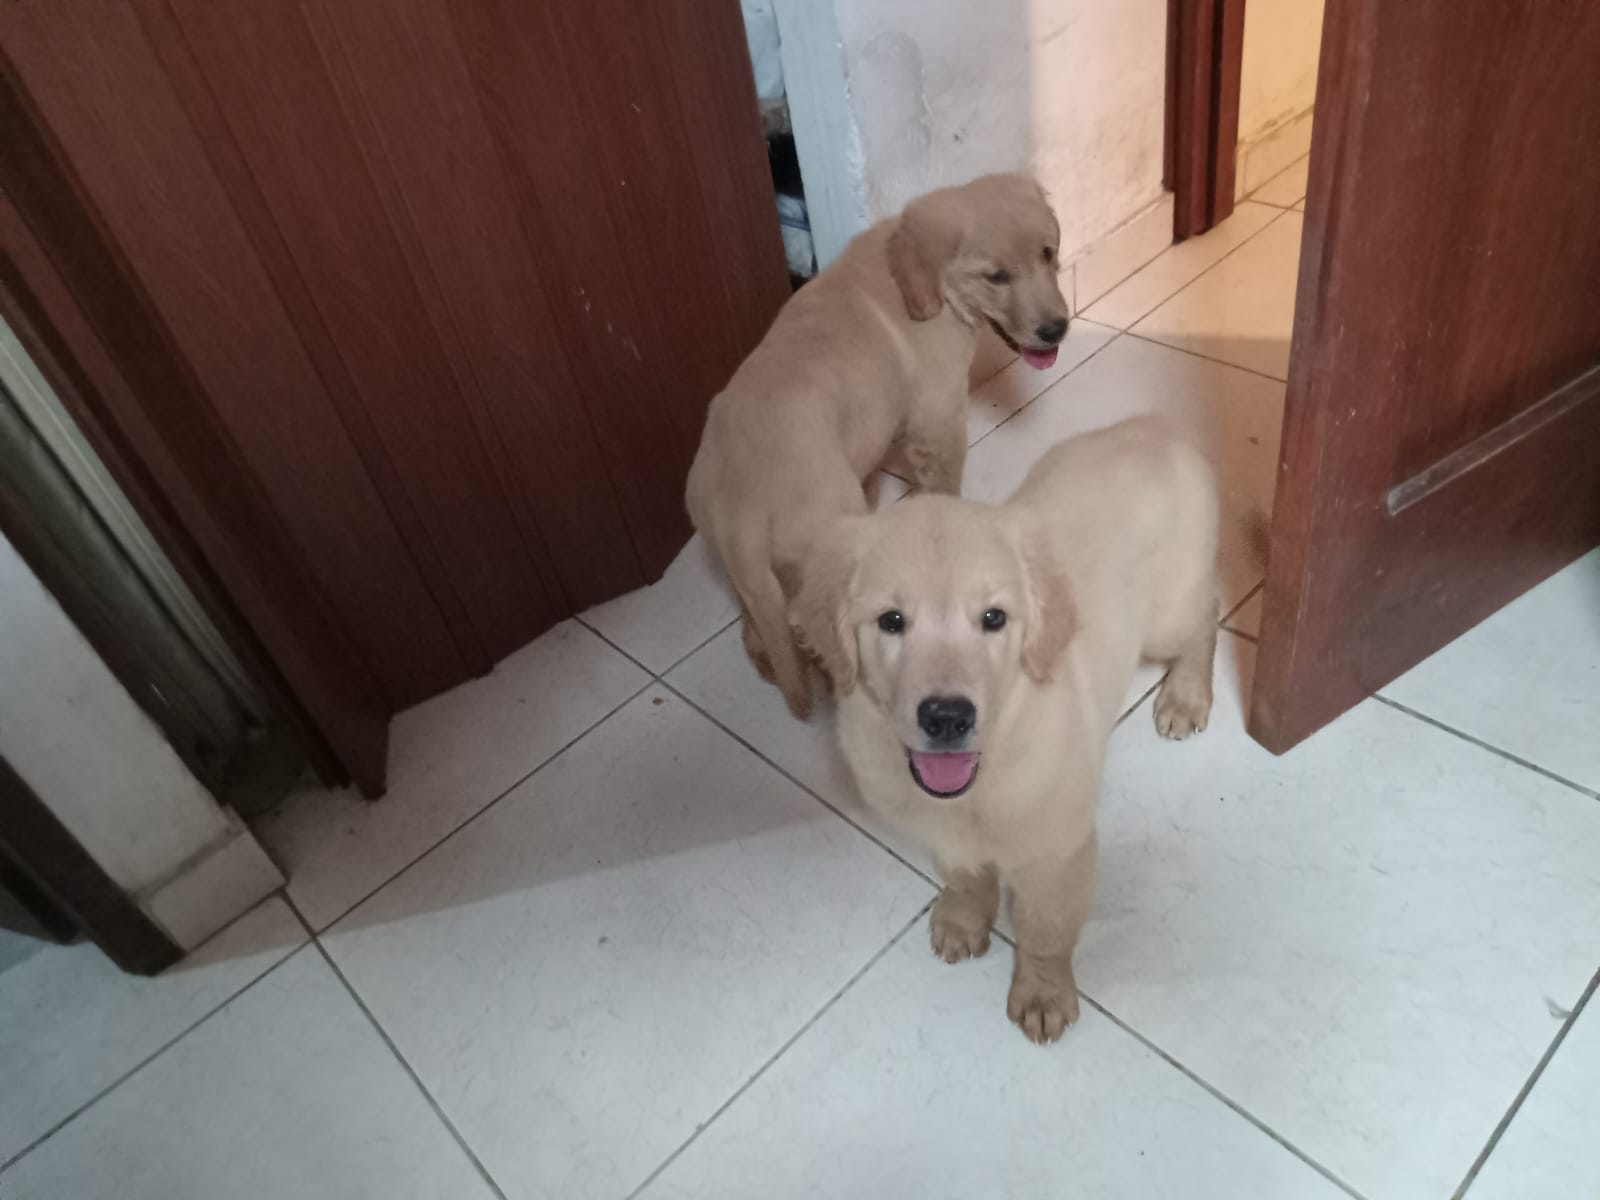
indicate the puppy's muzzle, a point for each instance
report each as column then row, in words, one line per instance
column 946, row 721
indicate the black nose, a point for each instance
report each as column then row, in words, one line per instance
column 946, row 719
column 1051, row 332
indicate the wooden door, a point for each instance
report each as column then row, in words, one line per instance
column 448, row 283
column 1441, row 446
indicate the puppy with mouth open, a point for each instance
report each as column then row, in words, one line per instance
column 981, row 656
column 867, row 366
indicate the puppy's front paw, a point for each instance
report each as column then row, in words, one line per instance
column 1040, row 1009
column 1182, row 707
column 958, row 928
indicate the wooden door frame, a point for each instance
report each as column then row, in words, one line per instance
column 36, row 843
column 88, row 325
column 1205, row 57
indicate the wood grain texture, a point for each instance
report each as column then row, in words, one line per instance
column 453, row 282
column 441, row 172
column 283, row 113
column 1205, row 57
column 1449, row 298
column 104, row 91
column 77, row 306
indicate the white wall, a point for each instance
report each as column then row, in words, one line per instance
column 1277, row 87
column 1282, row 39
column 891, row 98
column 87, row 750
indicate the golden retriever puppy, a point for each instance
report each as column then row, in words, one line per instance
column 869, row 357
column 981, row 656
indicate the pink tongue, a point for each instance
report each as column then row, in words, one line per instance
column 1040, row 360
column 944, row 772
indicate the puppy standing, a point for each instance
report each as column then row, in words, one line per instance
column 982, row 655
column 869, row 357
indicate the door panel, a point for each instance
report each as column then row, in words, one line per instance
column 453, row 280
column 93, row 334
column 317, row 182
column 1441, row 448
column 92, row 68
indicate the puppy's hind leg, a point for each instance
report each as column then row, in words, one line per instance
column 964, row 913
column 754, row 648
column 935, row 444
column 937, row 458
column 1183, row 705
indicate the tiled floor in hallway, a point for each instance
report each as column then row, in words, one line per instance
column 621, row 929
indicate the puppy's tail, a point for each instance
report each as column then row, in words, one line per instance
column 764, row 604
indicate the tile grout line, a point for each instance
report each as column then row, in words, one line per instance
column 1252, row 638
column 487, row 805
column 817, row 796
column 1212, row 1091
column 1110, row 341
column 1219, row 1095
column 152, row 1056
column 876, row 958
column 678, row 662
column 1077, row 311
column 1483, row 745
column 400, row 1058
column 1211, row 267
column 1526, row 1089
column 1245, row 599
column 1221, row 362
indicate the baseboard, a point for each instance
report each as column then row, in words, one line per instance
column 214, row 888
column 1110, row 259
column 1269, row 153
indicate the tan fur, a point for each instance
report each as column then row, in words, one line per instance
column 866, row 363
column 1105, row 554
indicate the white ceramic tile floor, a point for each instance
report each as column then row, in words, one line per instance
column 448, row 758
column 1358, row 942
column 1018, row 384
column 1144, row 291
column 630, row 934
column 71, row 1024
column 1549, row 1149
column 1242, row 310
column 602, row 938
column 1287, row 188
column 915, row 1085
column 286, row 1093
column 1543, row 653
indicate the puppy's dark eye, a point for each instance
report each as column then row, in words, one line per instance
column 892, row 622
column 994, row 619
column 1047, row 254
column 998, row 276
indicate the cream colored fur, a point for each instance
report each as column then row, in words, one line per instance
column 1104, row 555
column 866, row 363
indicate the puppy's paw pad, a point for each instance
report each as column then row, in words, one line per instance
column 1041, row 1012
column 1182, row 710
column 957, row 932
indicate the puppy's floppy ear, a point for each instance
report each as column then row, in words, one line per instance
column 920, row 249
column 820, row 612
column 1052, row 619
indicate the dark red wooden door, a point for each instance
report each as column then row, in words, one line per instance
column 453, row 280
column 1441, row 448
